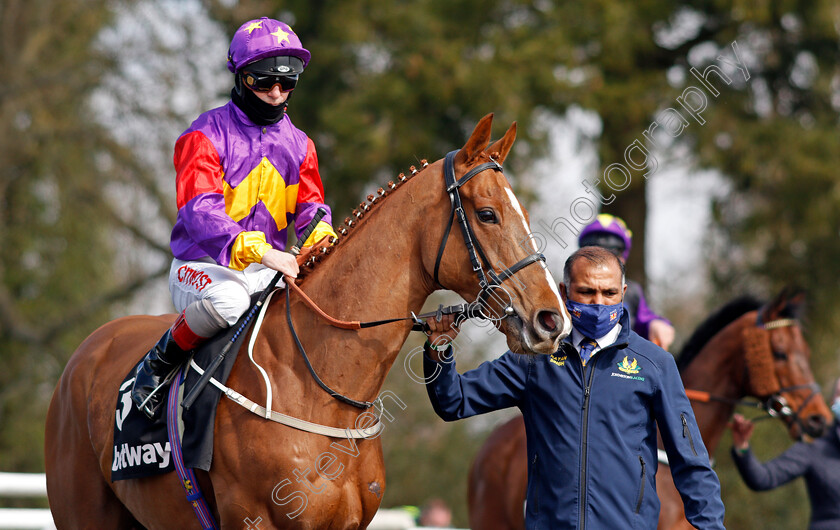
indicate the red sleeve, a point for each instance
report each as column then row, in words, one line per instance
column 197, row 167
column 311, row 189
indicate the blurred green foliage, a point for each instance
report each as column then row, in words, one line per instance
column 54, row 257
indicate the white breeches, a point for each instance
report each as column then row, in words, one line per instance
column 228, row 291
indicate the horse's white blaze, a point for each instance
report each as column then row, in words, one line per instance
column 567, row 325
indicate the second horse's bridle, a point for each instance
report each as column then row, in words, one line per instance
column 775, row 405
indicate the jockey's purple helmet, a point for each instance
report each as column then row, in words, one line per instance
column 607, row 231
column 261, row 38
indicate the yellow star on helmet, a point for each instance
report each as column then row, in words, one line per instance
column 281, row 35
column 254, row 25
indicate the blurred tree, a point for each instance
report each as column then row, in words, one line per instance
column 393, row 82
column 66, row 186
column 777, row 143
column 55, row 261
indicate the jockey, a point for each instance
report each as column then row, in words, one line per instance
column 243, row 173
column 611, row 232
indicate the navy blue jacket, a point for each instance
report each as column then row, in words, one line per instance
column 592, row 432
column 817, row 462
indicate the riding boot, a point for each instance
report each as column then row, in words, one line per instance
column 164, row 358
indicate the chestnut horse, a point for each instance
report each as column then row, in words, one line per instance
column 744, row 349
column 395, row 256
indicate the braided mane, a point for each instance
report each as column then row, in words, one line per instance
column 364, row 210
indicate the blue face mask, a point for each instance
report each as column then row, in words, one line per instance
column 594, row 320
column 835, row 408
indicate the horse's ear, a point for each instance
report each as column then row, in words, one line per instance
column 478, row 140
column 795, row 302
column 502, row 146
column 786, row 304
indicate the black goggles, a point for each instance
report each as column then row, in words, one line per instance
column 611, row 242
column 265, row 82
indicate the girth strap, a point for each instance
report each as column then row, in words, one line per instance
column 185, row 474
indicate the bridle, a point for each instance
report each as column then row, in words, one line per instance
column 775, row 405
column 474, row 250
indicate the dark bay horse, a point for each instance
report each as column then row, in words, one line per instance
column 744, row 349
column 394, row 257
column 770, row 362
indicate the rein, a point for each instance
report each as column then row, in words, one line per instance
column 266, row 411
column 341, row 397
column 419, row 325
column 775, row 406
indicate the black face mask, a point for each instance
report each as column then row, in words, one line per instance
column 257, row 110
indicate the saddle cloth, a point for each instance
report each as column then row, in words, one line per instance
column 141, row 445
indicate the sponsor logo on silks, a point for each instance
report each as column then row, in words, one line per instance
column 556, row 359
column 140, row 455
column 613, row 314
column 197, row 279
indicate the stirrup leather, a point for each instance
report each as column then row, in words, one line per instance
column 148, row 406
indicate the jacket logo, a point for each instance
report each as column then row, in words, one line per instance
column 629, row 367
column 556, row 359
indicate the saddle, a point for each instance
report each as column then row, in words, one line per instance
column 141, row 446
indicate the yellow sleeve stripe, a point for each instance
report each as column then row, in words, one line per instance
column 322, row 229
column 247, row 248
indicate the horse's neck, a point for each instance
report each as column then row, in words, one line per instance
column 376, row 272
column 717, row 370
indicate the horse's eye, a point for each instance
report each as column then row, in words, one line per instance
column 487, row 216
column 780, row 355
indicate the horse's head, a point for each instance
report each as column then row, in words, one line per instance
column 479, row 245
column 778, row 367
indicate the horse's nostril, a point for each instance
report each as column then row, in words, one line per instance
column 548, row 320
column 817, row 420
